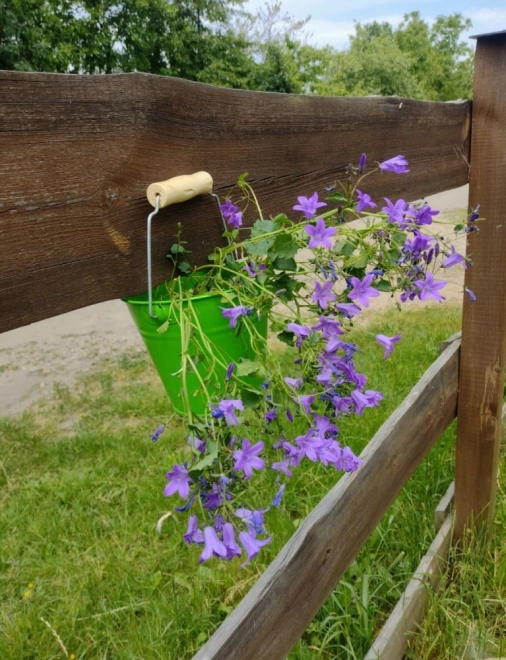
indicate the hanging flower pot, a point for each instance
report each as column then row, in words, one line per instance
column 192, row 345
column 250, row 410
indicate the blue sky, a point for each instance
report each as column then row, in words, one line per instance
column 332, row 20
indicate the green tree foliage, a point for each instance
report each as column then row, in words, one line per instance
column 414, row 60
column 186, row 38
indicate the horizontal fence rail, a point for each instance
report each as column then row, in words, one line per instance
column 78, row 153
column 279, row 607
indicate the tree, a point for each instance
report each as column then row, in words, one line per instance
column 414, row 60
column 187, row 38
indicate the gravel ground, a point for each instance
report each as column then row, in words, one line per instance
column 58, row 350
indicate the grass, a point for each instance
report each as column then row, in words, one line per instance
column 83, row 573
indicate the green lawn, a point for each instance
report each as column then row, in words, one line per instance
column 84, row 574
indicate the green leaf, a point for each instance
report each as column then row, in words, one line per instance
column 207, row 461
column 250, row 398
column 247, row 367
column 383, row 285
column 261, row 228
column 284, row 246
column 358, row 261
column 164, row 327
column 282, row 263
column 185, row 267
column 177, row 248
column 337, row 197
column 286, row 337
column 345, row 247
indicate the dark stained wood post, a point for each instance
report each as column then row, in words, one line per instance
column 483, row 351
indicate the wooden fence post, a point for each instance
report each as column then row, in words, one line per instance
column 483, row 352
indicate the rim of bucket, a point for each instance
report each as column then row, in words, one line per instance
column 133, row 300
column 165, row 300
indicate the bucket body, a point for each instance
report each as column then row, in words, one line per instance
column 225, row 345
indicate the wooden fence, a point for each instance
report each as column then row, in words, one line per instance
column 77, row 154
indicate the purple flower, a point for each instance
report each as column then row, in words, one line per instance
column 348, row 461
column 230, row 371
column 429, row 288
column 252, row 545
column 423, row 215
column 233, row 313
column 320, row 234
column 373, row 397
column 212, row 500
column 361, row 163
column 470, row 294
column 397, row 164
column 250, row 269
column 270, row 416
column 360, row 400
column 324, row 425
column 254, row 520
column 305, row 401
column 246, row 458
column 364, row 201
column 279, row 496
column 213, row 545
column 309, row 205
column 388, row 343
column 300, row 331
column 231, row 214
column 349, row 309
column 156, row 435
column 227, row 407
column 396, row 211
column 233, row 549
column 362, row 290
column 295, row 383
column 193, row 533
column 283, row 466
column 289, row 415
column 454, row 258
column 323, row 294
column 309, row 444
column 196, row 443
column 329, row 326
column 179, row 482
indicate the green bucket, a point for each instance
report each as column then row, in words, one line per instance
column 226, row 345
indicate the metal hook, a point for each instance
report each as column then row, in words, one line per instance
column 148, row 242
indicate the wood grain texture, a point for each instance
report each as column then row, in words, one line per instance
column 484, row 321
column 392, row 640
column 78, row 153
column 280, row 606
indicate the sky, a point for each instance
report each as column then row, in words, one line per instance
column 333, row 20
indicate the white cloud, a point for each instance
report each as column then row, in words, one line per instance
column 487, row 20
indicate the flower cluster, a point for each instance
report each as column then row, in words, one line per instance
column 274, row 416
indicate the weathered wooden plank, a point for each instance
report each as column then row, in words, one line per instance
column 443, row 508
column 484, row 321
column 392, row 640
column 79, row 151
column 277, row 610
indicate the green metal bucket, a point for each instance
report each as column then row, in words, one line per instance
column 226, row 345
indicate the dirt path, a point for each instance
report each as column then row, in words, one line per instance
column 57, row 350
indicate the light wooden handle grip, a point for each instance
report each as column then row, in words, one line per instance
column 180, row 188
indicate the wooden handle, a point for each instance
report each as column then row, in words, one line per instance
column 180, row 188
